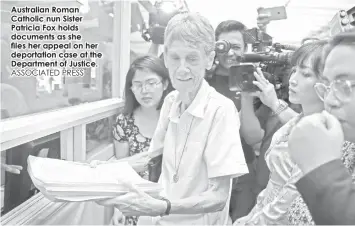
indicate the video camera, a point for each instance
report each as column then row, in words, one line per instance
column 273, row 58
column 158, row 20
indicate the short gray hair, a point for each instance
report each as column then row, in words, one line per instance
column 191, row 28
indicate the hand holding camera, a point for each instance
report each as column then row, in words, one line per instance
column 267, row 93
column 247, row 79
column 262, row 20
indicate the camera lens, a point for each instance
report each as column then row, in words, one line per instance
column 345, row 21
column 222, row 46
column 342, row 13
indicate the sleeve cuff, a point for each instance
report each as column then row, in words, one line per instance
column 236, row 171
column 311, row 183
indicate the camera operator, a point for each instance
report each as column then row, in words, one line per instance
column 258, row 126
column 232, row 32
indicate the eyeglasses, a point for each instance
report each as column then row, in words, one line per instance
column 148, row 85
column 342, row 90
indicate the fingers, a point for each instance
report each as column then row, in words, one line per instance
column 263, row 16
column 116, row 219
column 15, row 169
column 106, row 202
column 133, row 188
column 120, row 203
column 258, row 69
column 257, row 77
column 262, row 20
column 260, row 77
column 259, row 8
column 95, row 163
column 260, row 73
column 259, row 85
column 119, row 217
column 255, row 94
column 116, row 201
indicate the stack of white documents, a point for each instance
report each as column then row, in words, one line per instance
column 61, row 180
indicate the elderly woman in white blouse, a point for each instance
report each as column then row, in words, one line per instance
column 197, row 133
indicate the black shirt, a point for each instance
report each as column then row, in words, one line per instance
column 220, row 83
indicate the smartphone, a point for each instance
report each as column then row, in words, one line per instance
column 275, row 13
column 241, row 78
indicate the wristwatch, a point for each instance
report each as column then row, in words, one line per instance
column 282, row 106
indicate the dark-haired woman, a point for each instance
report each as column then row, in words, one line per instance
column 273, row 202
column 147, row 84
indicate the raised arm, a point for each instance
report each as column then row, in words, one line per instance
column 250, row 128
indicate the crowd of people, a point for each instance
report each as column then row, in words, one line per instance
column 207, row 134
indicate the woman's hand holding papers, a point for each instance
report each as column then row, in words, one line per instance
column 136, row 203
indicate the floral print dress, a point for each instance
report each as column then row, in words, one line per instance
column 124, row 130
column 298, row 213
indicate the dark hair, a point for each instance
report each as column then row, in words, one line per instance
column 228, row 26
column 152, row 64
column 312, row 51
column 344, row 38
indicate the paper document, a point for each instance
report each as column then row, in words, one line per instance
column 61, row 180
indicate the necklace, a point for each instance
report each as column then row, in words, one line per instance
column 176, row 175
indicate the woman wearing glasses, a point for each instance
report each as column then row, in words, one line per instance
column 147, row 84
column 274, row 201
column 338, row 95
column 331, row 200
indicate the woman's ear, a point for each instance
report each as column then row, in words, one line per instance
column 210, row 60
column 165, row 84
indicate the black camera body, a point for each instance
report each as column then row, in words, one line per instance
column 275, row 63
